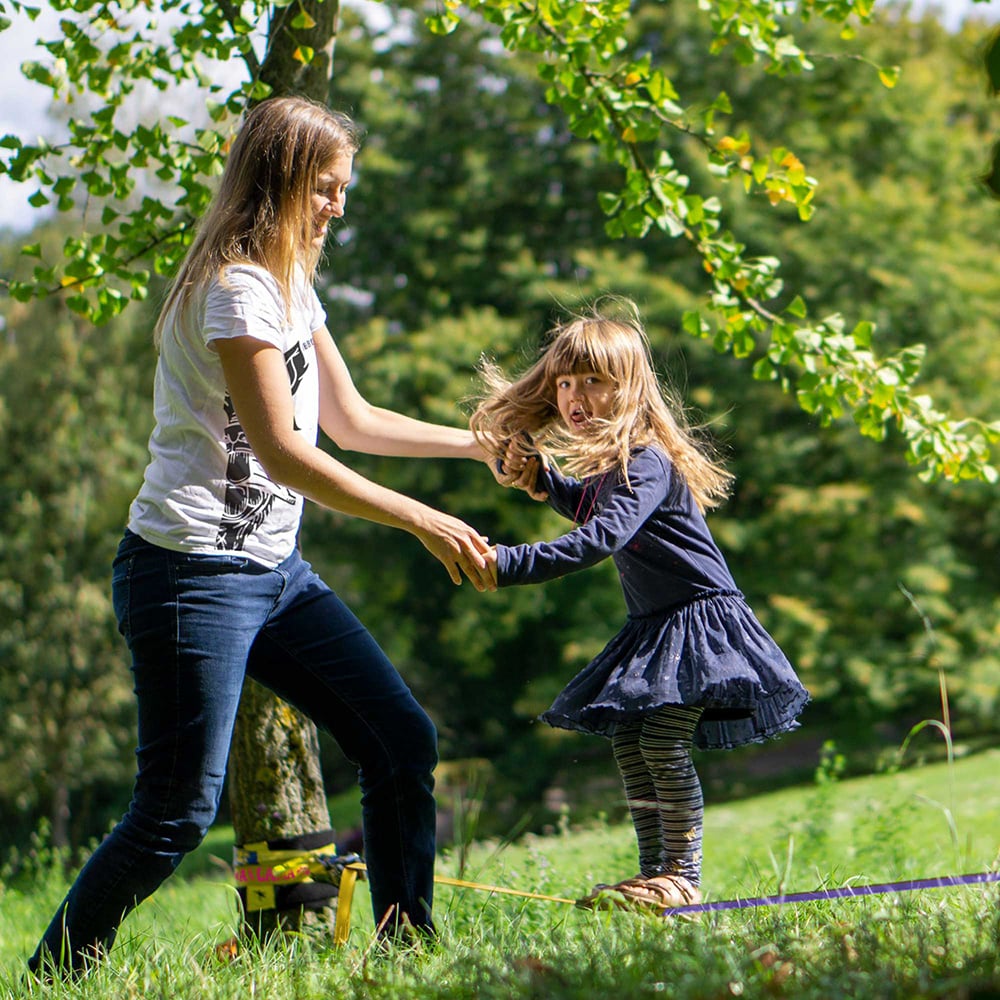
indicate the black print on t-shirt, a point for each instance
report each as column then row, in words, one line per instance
column 250, row 494
column 296, row 366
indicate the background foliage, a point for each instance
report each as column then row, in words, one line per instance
column 471, row 226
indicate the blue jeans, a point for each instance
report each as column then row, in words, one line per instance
column 196, row 625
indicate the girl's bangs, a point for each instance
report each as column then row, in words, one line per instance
column 582, row 349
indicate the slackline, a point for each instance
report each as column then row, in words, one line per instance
column 945, row 882
column 353, row 871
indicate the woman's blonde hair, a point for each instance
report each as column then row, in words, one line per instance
column 262, row 212
column 643, row 411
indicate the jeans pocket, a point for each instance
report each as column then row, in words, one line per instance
column 121, row 590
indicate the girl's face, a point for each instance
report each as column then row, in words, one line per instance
column 583, row 397
column 329, row 197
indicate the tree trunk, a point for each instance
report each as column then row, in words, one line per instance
column 276, row 786
column 276, row 789
column 284, row 66
column 60, row 814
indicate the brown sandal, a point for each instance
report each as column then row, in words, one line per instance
column 660, row 892
column 603, row 895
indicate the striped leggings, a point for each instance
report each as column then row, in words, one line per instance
column 663, row 791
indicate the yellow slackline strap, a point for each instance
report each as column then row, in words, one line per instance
column 261, row 870
column 444, row 880
column 342, row 923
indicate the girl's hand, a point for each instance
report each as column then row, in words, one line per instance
column 520, row 467
column 527, row 478
column 491, row 564
column 459, row 548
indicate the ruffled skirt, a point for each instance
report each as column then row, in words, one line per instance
column 711, row 653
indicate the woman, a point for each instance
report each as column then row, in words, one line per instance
column 208, row 584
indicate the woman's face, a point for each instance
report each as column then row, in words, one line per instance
column 329, row 197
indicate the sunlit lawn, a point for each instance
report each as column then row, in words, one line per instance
column 931, row 821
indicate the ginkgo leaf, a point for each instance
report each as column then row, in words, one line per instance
column 889, row 75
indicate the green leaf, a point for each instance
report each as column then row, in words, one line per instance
column 862, row 334
column 722, row 104
column 695, row 208
column 883, row 395
column 609, row 202
column 303, row 20
column 796, row 308
column 889, row 75
column 692, row 323
column 743, row 342
column 79, row 304
column 442, row 24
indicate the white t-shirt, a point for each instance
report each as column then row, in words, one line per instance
column 204, row 490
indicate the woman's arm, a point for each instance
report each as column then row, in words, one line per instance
column 258, row 386
column 355, row 425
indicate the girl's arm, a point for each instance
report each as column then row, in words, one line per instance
column 258, row 386
column 354, row 424
column 620, row 518
column 564, row 493
column 544, row 481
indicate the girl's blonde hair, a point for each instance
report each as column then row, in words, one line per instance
column 642, row 411
column 262, row 213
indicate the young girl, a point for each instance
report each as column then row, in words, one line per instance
column 208, row 583
column 692, row 665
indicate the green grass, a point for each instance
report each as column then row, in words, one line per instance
column 929, row 821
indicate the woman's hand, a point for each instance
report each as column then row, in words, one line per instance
column 459, row 548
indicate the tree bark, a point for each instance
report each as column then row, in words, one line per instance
column 284, row 66
column 275, row 783
column 276, row 789
column 60, row 813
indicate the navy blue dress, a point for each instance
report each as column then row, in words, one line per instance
column 690, row 638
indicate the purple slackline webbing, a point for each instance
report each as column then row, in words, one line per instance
column 861, row 890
